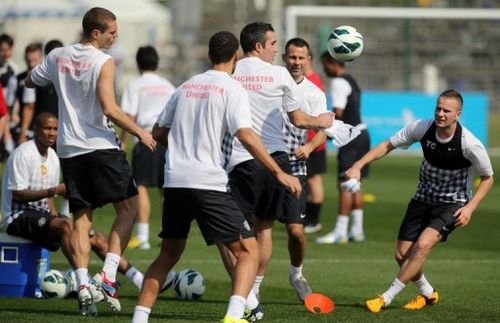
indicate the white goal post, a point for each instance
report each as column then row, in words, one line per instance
column 293, row 13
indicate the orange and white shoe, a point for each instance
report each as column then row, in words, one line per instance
column 375, row 305
column 420, row 301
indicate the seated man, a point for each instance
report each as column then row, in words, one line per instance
column 29, row 184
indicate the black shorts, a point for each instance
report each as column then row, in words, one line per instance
column 219, row 218
column 352, row 152
column 316, row 163
column 34, row 226
column 256, row 190
column 294, row 210
column 148, row 166
column 97, row 178
column 420, row 215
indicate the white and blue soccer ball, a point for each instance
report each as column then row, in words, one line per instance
column 345, row 43
column 55, row 284
column 189, row 285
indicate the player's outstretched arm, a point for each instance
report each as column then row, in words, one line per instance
column 464, row 214
column 256, row 148
column 302, row 120
column 376, row 153
column 111, row 110
column 29, row 195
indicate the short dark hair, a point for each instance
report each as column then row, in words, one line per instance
column 222, row 46
column 52, row 44
column 33, row 47
column 298, row 42
column 147, row 58
column 41, row 117
column 5, row 38
column 451, row 93
column 327, row 57
column 254, row 33
column 96, row 18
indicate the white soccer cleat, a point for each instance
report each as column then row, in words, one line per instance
column 86, row 303
column 332, row 238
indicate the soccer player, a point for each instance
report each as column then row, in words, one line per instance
column 443, row 200
column 313, row 102
column 143, row 101
column 272, row 90
column 29, row 184
column 95, row 170
column 201, row 113
column 346, row 96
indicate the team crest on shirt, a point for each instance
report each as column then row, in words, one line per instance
column 43, row 169
column 41, row 222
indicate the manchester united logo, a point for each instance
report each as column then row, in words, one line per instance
column 43, row 169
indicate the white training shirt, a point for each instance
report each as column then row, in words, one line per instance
column 145, row 97
column 27, row 169
column 199, row 114
column 340, row 90
column 74, row 71
column 271, row 89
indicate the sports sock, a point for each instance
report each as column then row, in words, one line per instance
column 423, row 286
column 357, row 221
column 295, row 272
column 256, row 285
column 135, row 276
column 236, row 306
column 341, row 225
column 82, row 277
column 143, row 232
column 111, row 265
column 396, row 287
column 312, row 211
column 141, row 314
column 252, row 300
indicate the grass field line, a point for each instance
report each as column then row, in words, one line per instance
column 316, row 261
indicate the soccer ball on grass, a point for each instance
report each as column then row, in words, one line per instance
column 189, row 285
column 55, row 284
column 345, row 43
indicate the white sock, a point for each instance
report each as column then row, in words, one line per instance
column 341, row 225
column 423, row 286
column 236, row 306
column 252, row 300
column 82, row 277
column 141, row 314
column 256, row 284
column 111, row 265
column 396, row 287
column 135, row 276
column 295, row 272
column 143, row 232
column 357, row 221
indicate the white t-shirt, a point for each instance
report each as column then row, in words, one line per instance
column 74, row 71
column 271, row 90
column 145, row 97
column 27, row 169
column 199, row 114
column 472, row 149
column 340, row 90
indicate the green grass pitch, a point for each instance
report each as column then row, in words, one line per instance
column 464, row 270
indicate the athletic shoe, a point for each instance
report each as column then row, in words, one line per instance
column 421, row 301
column 375, row 305
column 301, row 286
column 110, row 291
column 135, row 243
column 229, row 319
column 312, row 228
column 332, row 238
column 254, row 315
column 95, row 289
column 85, row 302
column 357, row 237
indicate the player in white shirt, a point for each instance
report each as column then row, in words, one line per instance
column 272, row 90
column 143, row 100
column 444, row 199
column 95, row 170
column 193, row 126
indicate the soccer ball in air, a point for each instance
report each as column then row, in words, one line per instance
column 345, row 43
column 55, row 284
column 189, row 285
